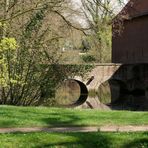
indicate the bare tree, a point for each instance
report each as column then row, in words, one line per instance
column 98, row 15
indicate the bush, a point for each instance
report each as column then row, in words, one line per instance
column 88, row 58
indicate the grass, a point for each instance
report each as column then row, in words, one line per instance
column 11, row 116
column 74, row 140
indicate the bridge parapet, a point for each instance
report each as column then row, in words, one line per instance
column 100, row 74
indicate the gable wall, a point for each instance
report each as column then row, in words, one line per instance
column 131, row 46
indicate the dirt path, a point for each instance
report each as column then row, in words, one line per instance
column 78, row 129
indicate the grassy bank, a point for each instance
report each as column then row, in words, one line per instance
column 74, row 140
column 11, row 116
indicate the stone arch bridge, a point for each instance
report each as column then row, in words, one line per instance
column 127, row 84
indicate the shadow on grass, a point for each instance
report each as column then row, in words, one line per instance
column 83, row 140
column 139, row 143
column 76, row 140
column 56, row 118
column 97, row 140
column 21, row 117
column 64, row 120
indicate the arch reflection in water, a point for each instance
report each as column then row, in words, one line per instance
column 123, row 95
column 71, row 93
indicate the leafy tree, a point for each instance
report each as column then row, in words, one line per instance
column 31, row 34
column 29, row 64
column 98, row 15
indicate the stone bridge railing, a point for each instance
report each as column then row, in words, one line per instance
column 99, row 74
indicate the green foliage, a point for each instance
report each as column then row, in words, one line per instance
column 88, row 58
column 100, row 42
column 35, row 22
column 8, row 48
column 30, row 72
column 29, row 68
column 76, row 70
column 24, row 79
column 99, row 15
column 8, row 44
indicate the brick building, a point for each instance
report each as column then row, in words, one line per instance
column 130, row 34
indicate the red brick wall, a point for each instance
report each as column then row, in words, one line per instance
column 131, row 46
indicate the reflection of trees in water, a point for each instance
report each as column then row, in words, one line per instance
column 123, row 95
column 68, row 92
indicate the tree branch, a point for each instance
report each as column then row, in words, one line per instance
column 70, row 24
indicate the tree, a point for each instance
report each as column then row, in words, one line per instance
column 27, row 76
column 29, row 45
column 98, row 15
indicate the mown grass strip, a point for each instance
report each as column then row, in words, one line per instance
column 11, row 116
column 74, row 140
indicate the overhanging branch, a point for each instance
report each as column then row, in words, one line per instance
column 70, row 24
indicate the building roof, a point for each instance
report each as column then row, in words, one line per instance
column 133, row 9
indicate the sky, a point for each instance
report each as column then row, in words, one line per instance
column 77, row 5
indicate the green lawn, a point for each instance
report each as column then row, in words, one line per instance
column 74, row 140
column 11, row 116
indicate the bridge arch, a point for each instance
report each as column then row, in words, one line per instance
column 80, row 97
column 83, row 93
